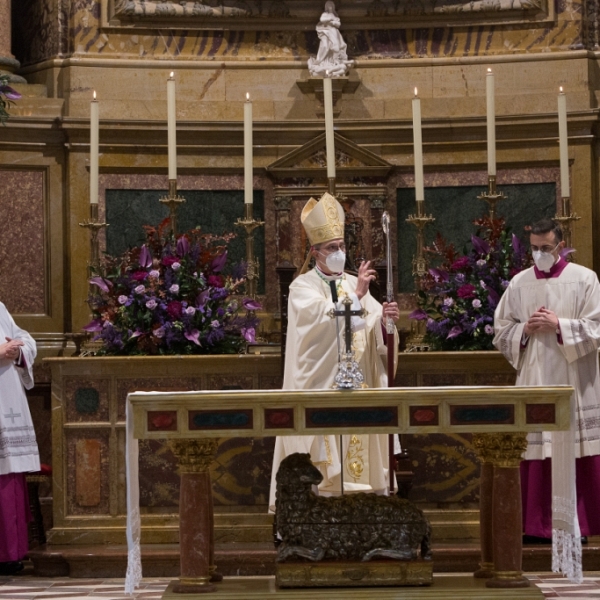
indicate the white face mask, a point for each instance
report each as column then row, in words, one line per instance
column 335, row 261
column 543, row 260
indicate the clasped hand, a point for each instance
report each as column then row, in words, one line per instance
column 365, row 276
column 541, row 320
column 10, row 349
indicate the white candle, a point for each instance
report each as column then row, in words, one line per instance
column 329, row 141
column 171, row 127
column 248, row 184
column 491, row 122
column 94, row 148
column 563, row 139
column 418, row 147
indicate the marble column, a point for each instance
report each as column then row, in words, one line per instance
column 506, row 450
column 8, row 63
column 196, row 527
column 486, row 492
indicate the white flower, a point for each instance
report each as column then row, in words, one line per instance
column 214, row 324
column 190, row 310
column 176, row 266
column 448, row 301
column 482, row 283
column 476, row 303
column 174, row 289
column 140, row 289
column 480, row 262
column 122, row 299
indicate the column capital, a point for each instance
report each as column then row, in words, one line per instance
column 194, row 456
column 500, row 449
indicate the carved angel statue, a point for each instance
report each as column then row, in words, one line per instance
column 331, row 59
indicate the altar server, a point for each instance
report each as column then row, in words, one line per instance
column 548, row 327
column 311, row 359
column 18, row 446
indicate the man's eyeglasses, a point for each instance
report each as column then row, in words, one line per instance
column 331, row 248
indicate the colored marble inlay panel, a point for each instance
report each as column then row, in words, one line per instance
column 495, row 378
column 162, row 420
column 87, row 472
column 86, row 400
column 220, row 419
column 405, row 380
column 481, row 415
column 279, row 418
column 424, row 415
column 540, row 413
column 23, row 286
column 377, row 416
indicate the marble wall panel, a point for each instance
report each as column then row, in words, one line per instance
column 23, row 245
column 88, row 475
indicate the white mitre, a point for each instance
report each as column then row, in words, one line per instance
column 323, row 220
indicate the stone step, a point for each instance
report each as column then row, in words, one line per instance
column 162, row 560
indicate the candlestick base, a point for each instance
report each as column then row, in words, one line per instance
column 492, row 197
column 94, row 226
column 172, row 200
column 249, row 223
column 566, row 219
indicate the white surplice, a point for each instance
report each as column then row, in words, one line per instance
column 311, row 362
column 18, row 446
column 574, row 296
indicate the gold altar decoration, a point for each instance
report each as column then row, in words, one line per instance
column 194, row 456
column 249, row 223
column 172, row 200
column 501, row 449
column 492, row 196
column 420, row 265
column 566, row 218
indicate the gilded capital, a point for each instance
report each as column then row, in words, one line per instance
column 500, row 449
column 194, row 456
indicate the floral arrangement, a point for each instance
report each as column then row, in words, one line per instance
column 7, row 94
column 171, row 296
column 459, row 296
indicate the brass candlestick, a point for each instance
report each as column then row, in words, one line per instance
column 565, row 219
column 94, row 226
column 492, row 197
column 331, row 185
column 173, row 201
column 253, row 268
column 416, row 339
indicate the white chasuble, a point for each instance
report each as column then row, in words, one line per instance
column 568, row 356
column 18, row 447
column 311, row 362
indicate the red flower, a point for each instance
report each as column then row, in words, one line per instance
column 169, row 260
column 466, row 291
column 174, row 308
column 216, row 281
column 460, row 263
column 139, row 275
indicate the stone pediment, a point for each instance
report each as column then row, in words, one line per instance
column 310, row 160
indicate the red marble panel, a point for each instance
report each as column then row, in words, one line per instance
column 162, row 420
column 424, row 415
column 279, row 418
column 540, row 413
column 22, row 255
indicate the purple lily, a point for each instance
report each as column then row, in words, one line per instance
column 192, row 336
column 481, row 246
column 95, row 325
column 454, row 332
column 249, row 334
column 516, row 244
column 183, row 246
column 145, row 258
column 202, row 298
column 493, row 297
column 9, row 92
column 103, row 284
column 419, row 314
column 250, row 304
column 219, row 262
column 136, row 333
column 439, row 274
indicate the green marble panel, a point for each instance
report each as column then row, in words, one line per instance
column 455, row 209
column 127, row 211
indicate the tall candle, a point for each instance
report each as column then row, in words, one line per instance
column 171, row 127
column 248, row 184
column 418, row 147
column 563, row 139
column 329, row 141
column 491, row 121
column 94, row 148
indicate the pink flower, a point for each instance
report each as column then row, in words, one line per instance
column 489, row 329
column 174, row 289
column 140, row 289
column 122, row 299
column 466, row 291
column 190, row 310
column 176, row 266
column 476, row 303
column 151, row 304
column 154, row 273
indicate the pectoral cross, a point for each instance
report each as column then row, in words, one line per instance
column 349, row 375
